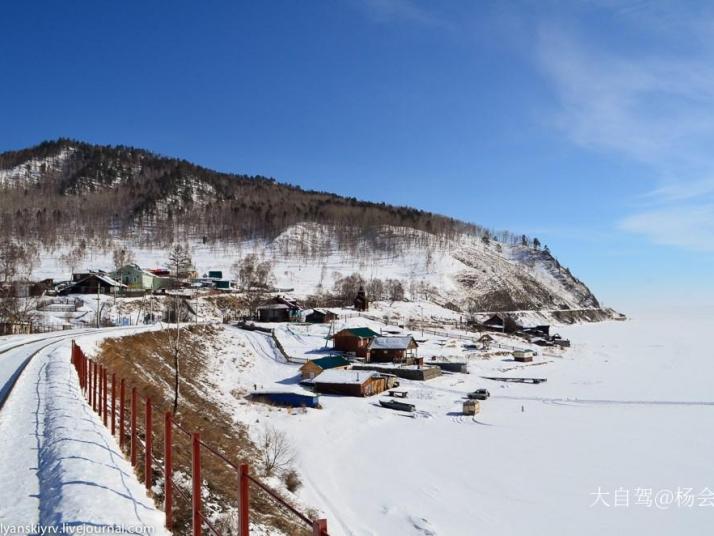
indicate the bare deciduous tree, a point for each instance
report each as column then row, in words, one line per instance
column 16, row 259
column 250, row 271
column 180, row 261
column 394, row 290
column 276, row 451
column 73, row 258
column 346, row 288
column 122, row 256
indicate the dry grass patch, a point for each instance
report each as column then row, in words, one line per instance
column 146, row 362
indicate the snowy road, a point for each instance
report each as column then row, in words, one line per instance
column 15, row 355
column 65, row 468
column 263, row 345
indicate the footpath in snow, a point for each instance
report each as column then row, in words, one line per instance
column 62, row 472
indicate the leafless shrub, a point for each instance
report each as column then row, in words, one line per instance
column 292, row 480
column 275, row 450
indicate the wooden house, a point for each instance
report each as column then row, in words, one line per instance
column 320, row 316
column 134, row 277
column 392, row 350
column 94, row 284
column 351, row 382
column 292, row 303
column 354, row 340
column 538, row 331
column 501, row 322
column 315, row 367
column 274, row 312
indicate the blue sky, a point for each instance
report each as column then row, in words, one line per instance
column 586, row 124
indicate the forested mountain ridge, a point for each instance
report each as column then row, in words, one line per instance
column 67, row 195
column 65, row 184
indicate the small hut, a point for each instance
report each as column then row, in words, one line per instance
column 392, row 349
column 320, row 316
column 314, row 367
column 471, row 407
column 523, row 356
column 351, row 382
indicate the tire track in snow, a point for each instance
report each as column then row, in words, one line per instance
column 605, row 402
column 258, row 348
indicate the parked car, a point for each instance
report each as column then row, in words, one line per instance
column 479, row 394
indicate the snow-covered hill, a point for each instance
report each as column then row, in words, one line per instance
column 67, row 194
column 464, row 273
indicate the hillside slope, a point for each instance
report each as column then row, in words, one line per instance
column 62, row 193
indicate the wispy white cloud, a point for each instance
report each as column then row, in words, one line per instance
column 402, row 10
column 650, row 108
column 682, row 190
column 651, row 104
column 691, row 227
column 389, row 10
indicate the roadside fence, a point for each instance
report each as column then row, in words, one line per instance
column 119, row 404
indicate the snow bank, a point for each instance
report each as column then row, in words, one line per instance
column 65, row 468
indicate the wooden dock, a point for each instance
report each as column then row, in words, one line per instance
column 515, row 380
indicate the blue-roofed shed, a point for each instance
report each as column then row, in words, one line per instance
column 292, row 399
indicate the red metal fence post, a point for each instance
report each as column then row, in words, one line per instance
column 133, row 426
column 104, row 395
column 114, row 402
column 122, row 397
column 98, row 397
column 94, row 386
column 244, row 501
column 92, row 381
column 149, row 442
column 100, row 373
column 168, row 470
column 319, row 527
column 196, row 497
column 80, row 359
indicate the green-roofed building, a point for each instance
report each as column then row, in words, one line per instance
column 354, row 340
column 314, row 367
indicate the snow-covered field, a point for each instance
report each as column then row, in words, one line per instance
column 617, row 441
column 625, row 418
